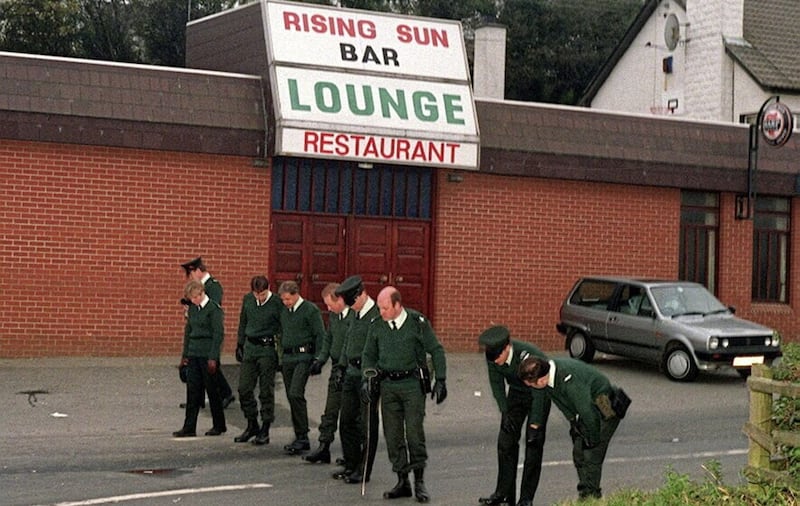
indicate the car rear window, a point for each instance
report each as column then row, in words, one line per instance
column 593, row 293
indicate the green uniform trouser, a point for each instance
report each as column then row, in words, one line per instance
column 330, row 417
column 259, row 370
column 358, row 428
column 403, row 412
column 519, row 405
column 295, row 378
column 589, row 461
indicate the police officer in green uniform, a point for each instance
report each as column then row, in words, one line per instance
column 259, row 327
column 358, row 422
column 202, row 342
column 302, row 333
column 516, row 403
column 397, row 348
column 586, row 398
column 339, row 318
column 196, row 269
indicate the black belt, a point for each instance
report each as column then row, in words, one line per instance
column 355, row 362
column 399, row 375
column 262, row 341
column 306, row 348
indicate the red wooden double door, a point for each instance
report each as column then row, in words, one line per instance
column 317, row 249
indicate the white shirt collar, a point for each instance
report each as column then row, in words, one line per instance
column 204, row 301
column 297, row 304
column 367, row 306
column 401, row 319
column 205, row 278
column 510, row 356
column 551, row 381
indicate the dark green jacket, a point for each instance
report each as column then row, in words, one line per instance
column 332, row 345
column 576, row 386
column 500, row 375
column 303, row 326
column 405, row 348
column 204, row 331
column 213, row 289
column 258, row 321
column 357, row 337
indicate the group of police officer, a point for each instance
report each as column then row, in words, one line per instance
column 379, row 353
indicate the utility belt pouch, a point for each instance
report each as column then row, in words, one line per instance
column 620, row 403
column 425, row 379
column 603, row 403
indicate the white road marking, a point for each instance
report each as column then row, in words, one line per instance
column 651, row 458
column 164, row 493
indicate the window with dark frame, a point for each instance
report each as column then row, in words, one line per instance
column 699, row 238
column 771, row 230
column 341, row 187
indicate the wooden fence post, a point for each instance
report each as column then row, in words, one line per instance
column 761, row 417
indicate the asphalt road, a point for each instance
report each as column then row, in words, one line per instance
column 98, row 431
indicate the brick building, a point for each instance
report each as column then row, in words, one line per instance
column 113, row 175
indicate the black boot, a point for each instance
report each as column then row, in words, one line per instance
column 401, row 489
column 262, row 438
column 250, row 431
column 321, row 454
column 420, row 492
column 299, row 445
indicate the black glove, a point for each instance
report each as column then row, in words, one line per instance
column 439, row 391
column 534, row 435
column 239, row 352
column 315, row 367
column 366, row 395
column 577, row 432
column 507, row 425
column 186, row 302
column 337, row 377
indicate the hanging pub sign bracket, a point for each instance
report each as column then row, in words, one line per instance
column 775, row 124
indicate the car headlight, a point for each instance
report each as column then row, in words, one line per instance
column 713, row 343
column 776, row 339
column 725, row 343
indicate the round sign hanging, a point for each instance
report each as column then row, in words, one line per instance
column 777, row 124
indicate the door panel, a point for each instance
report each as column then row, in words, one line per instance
column 410, row 266
column 370, row 253
column 309, row 250
column 392, row 252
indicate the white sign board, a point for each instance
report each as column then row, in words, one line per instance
column 379, row 87
column 377, row 148
column 365, row 41
column 424, row 108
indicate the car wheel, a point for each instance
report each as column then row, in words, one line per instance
column 744, row 373
column 678, row 364
column 580, row 347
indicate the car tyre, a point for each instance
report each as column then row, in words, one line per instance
column 580, row 347
column 678, row 364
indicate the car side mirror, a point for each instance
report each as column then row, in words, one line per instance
column 732, row 309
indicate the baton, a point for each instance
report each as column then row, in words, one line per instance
column 369, row 374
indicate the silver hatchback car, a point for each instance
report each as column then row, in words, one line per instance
column 679, row 325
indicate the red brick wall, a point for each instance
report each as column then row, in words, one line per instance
column 93, row 238
column 513, row 247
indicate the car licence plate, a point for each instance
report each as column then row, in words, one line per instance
column 747, row 361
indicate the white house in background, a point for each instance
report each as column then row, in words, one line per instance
column 717, row 60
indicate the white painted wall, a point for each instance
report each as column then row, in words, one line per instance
column 637, row 84
column 706, row 81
